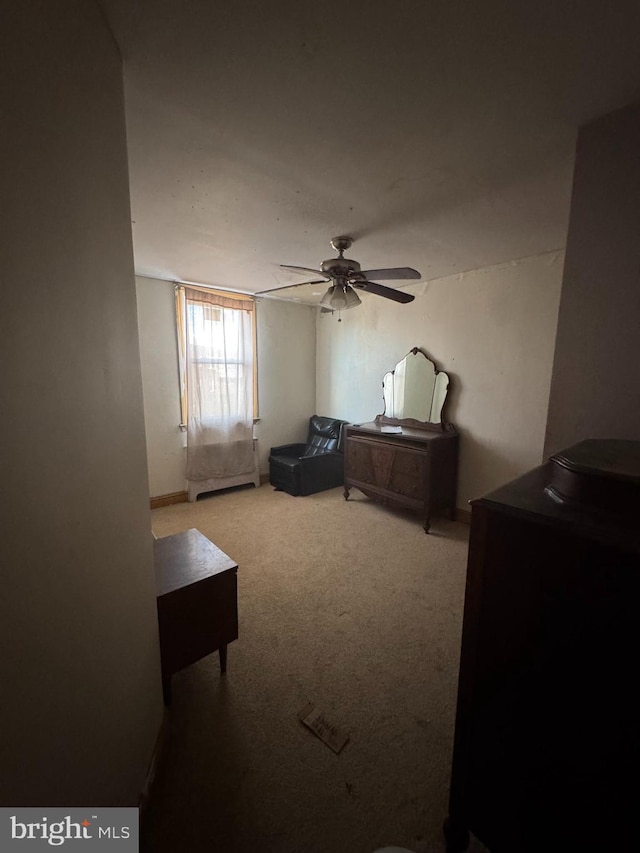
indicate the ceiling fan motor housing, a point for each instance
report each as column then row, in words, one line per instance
column 340, row 268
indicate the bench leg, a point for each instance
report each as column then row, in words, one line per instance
column 223, row 659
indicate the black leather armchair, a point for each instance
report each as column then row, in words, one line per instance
column 302, row 469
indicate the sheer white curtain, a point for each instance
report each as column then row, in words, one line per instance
column 219, row 378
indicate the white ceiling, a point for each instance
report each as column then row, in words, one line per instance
column 438, row 133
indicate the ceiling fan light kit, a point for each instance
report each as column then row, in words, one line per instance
column 346, row 276
column 339, row 298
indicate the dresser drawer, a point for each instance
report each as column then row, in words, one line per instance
column 395, row 468
column 358, row 462
column 408, row 475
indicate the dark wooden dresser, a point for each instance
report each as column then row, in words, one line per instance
column 414, row 468
column 547, row 745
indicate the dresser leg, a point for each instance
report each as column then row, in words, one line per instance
column 427, row 524
column 456, row 836
column 346, row 493
column 223, row 659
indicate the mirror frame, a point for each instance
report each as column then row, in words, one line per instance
column 441, row 425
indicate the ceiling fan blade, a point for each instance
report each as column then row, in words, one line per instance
column 390, row 274
column 382, row 290
column 302, row 269
column 287, row 286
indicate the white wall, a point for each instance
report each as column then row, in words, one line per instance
column 492, row 330
column 81, row 697
column 286, row 379
column 160, row 383
column 286, row 373
column 594, row 392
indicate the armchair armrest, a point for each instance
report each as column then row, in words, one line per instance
column 288, row 450
column 322, row 458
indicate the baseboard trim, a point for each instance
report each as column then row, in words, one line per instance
column 154, row 766
column 463, row 515
column 167, row 500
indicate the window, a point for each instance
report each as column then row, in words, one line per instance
column 217, row 355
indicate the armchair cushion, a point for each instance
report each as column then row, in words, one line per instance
column 302, row 469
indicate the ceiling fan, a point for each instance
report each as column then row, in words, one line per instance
column 346, row 277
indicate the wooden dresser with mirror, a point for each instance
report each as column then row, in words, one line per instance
column 408, row 456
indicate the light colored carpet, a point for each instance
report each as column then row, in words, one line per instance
column 347, row 605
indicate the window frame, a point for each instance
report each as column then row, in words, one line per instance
column 181, row 330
